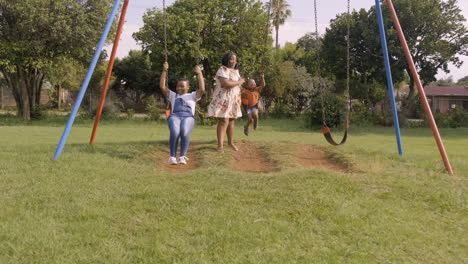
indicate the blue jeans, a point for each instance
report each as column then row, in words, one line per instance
column 180, row 127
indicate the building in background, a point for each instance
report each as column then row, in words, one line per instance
column 443, row 99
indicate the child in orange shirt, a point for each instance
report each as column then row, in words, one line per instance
column 250, row 98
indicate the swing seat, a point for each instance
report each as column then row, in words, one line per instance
column 329, row 138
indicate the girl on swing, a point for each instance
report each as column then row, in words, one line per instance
column 181, row 121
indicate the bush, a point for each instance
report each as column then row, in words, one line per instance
column 154, row 113
column 69, row 108
column 454, row 119
column 335, row 111
column 361, row 115
column 281, row 110
column 403, row 120
column 417, row 109
column 130, row 113
column 37, row 113
column 442, row 120
column 10, row 108
column 458, row 118
column 202, row 118
column 52, row 93
column 109, row 110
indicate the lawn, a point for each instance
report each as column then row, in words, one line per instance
column 114, row 202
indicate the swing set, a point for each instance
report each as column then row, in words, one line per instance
column 325, row 129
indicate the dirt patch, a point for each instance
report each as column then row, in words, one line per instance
column 192, row 163
column 310, row 156
column 251, row 158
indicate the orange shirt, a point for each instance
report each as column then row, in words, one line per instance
column 250, row 98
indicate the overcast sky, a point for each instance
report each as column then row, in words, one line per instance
column 301, row 22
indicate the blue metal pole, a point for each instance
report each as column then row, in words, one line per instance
column 389, row 75
column 84, row 86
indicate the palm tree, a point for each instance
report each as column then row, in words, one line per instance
column 279, row 12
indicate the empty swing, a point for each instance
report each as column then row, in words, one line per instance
column 325, row 129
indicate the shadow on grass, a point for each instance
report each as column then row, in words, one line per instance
column 406, row 132
column 132, row 150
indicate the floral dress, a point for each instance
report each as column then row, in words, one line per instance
column 226, row 102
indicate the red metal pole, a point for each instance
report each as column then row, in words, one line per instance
column 422, row 94
column 109, row 72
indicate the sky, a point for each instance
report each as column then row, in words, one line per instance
column 300, row 23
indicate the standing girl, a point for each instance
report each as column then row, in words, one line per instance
column 226, row 103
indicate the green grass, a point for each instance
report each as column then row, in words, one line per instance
column 112, row 203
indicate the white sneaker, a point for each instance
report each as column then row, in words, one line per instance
column 172, row 161
column 183, row 160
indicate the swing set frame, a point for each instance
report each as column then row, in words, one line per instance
column 326, row 130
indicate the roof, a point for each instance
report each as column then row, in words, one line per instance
column 446, row 90
column 440, row 90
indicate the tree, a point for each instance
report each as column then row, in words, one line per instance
column 304, row 90
column 444, row 82
column 280, row 12
column 291, row 52
column 290, row 86
column 463, row 81
column 367, row 71
column 279, row 78
column 434, row 31
column 34, row 33
column 63, row 72
column 308, row 42
column 93, row 93
column 436, row 35
column 225, row 25
column 135, row 79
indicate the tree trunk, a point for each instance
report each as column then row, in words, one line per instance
column 368, row 102
column 1, row 97
column 410, row 99
column 20, row 92
column 35, row 87
column 276, row 29
column 411, row 92
column 59, row 96
column 26, row 88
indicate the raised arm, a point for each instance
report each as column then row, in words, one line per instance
column 262, row 84
column 201, row 82
column 162, row 81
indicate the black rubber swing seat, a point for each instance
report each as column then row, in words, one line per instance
column 329, row 138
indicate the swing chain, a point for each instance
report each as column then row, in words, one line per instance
column 348, row 59
column 317, row 45
column 166, row 83
column 165, row 29
column 267, row 27
column 199, row 55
